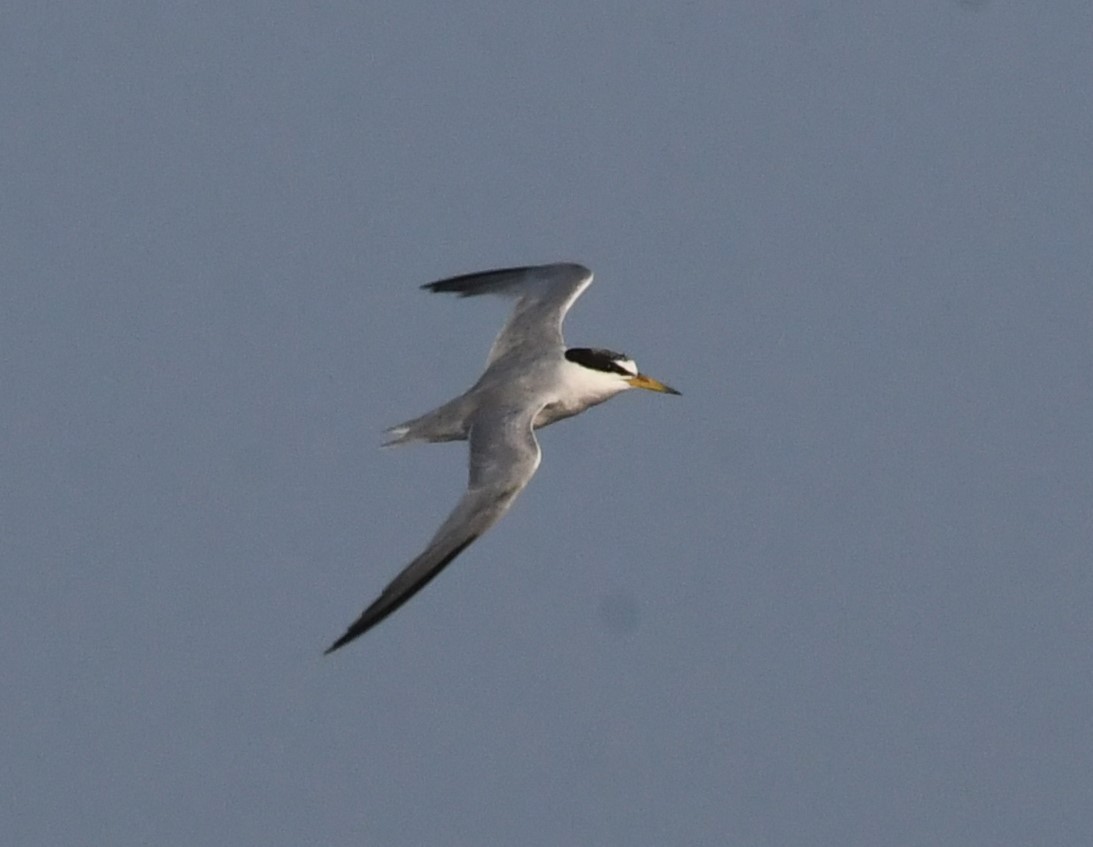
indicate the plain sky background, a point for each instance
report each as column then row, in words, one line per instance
column 839, row 593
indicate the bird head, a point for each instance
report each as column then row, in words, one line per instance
column 608, row 372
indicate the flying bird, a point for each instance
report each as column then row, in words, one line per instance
column 531, row 379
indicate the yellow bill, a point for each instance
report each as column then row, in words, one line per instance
column 650, row 384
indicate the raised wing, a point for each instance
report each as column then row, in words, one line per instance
column 545, row 294
column 503, row 457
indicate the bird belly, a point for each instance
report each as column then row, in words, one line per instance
column 549, row 414
column 557, row 411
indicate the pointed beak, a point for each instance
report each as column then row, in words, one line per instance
column 650, row 384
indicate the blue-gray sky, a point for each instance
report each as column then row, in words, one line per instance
column 839, row 593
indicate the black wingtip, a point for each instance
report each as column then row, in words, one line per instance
column 479, row 282
column 389, row 601
column 359, row 627
column 339, row 643
column 350, row 634
column 443, row 287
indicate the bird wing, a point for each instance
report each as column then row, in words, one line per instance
column 503, row 457
column 545, row 294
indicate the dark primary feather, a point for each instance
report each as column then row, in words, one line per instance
column 512, row 281
column 398, row 592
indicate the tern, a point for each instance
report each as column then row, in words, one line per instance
column 531, row 379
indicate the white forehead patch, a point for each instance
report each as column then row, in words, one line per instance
column 628, row 365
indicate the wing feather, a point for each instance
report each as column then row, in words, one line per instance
column 504, row 455
column 545, row 293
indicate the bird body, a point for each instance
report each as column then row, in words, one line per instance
column 575, row 388
column 531, row 380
